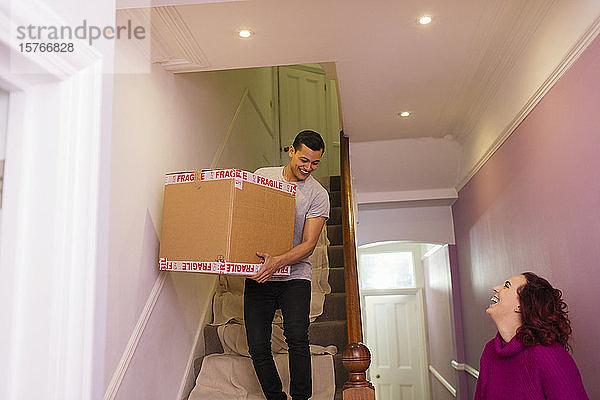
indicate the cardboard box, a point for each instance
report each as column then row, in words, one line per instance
column 215, row 221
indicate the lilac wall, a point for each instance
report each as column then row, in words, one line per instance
column 438, row 300
column 535, row 205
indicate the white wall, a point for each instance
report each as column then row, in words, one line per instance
column 396, row 200
column 165, row 123
column 60, row 119
column 3, row 126
column 405, row 164
column 3, row 121
column 417, row 224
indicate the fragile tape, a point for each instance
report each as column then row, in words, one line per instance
column 217, row 267
column 237, row 174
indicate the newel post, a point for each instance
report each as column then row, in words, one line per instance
column 356, row 356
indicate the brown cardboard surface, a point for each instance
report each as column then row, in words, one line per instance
column 261, row 219
column 195, row 223
column 224, row 219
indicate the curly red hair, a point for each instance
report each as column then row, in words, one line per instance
column 544, row 313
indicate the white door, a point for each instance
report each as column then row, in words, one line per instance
column 302, row 105
column 395, row 335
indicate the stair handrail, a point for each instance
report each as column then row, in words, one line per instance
column 356, row 356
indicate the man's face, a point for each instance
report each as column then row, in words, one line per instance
column 303, row 161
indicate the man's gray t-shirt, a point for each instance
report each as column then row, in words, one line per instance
column 312, row 200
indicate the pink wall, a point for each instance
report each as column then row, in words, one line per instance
column 535, row 205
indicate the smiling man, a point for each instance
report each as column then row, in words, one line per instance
column 264, row 294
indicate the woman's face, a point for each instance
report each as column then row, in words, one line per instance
column 505, row 301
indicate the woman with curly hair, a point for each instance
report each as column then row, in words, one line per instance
column 529, row 357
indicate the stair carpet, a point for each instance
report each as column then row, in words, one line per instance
column 330, row 328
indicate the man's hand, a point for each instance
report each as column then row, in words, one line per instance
column 310, row 236
column 267, row 269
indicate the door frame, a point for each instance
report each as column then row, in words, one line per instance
column 277, row 156
column 422, row 334
column 52, row 288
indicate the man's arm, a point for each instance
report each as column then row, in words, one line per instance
column 310, row 236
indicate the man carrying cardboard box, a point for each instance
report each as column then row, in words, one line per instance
column 264, row 294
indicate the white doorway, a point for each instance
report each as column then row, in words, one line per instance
column 52, row 289
column 308, row 100
column 397, row 342
column 391, row 282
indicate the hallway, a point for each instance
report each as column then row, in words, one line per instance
column 496, row 159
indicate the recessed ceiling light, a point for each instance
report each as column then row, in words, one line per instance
column 425, row 19
column 404, row 114
column 245, row 33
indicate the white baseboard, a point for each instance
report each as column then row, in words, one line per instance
column 134, row 339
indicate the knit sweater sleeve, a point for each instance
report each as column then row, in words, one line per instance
column 559, row 375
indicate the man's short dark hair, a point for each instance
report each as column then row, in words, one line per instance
column 310, row 139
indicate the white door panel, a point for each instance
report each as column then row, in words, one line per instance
column 302, row 105
column 396, row 339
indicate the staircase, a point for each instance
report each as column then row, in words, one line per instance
column 330, row 328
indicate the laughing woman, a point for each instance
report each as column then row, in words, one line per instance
column 529, row 357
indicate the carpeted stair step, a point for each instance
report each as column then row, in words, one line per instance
column 336, row 256
column 334, row 234
column 335, row 199
column 335, row 183
column 336, row 280
column 335, row 216
column 329, row 333
column 323, row 333
column 212, row 343
column 334, row 308
column 331, row 327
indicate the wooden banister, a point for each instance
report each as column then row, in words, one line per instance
column 356, row 356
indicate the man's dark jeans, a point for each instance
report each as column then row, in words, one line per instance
column 260, row 302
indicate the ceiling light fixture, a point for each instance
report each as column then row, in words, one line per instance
column 404, row 114
column 425, row 19
column 245, row 33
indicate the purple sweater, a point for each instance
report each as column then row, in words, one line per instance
column 512, row 371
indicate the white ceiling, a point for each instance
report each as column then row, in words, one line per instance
column 470, row 76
